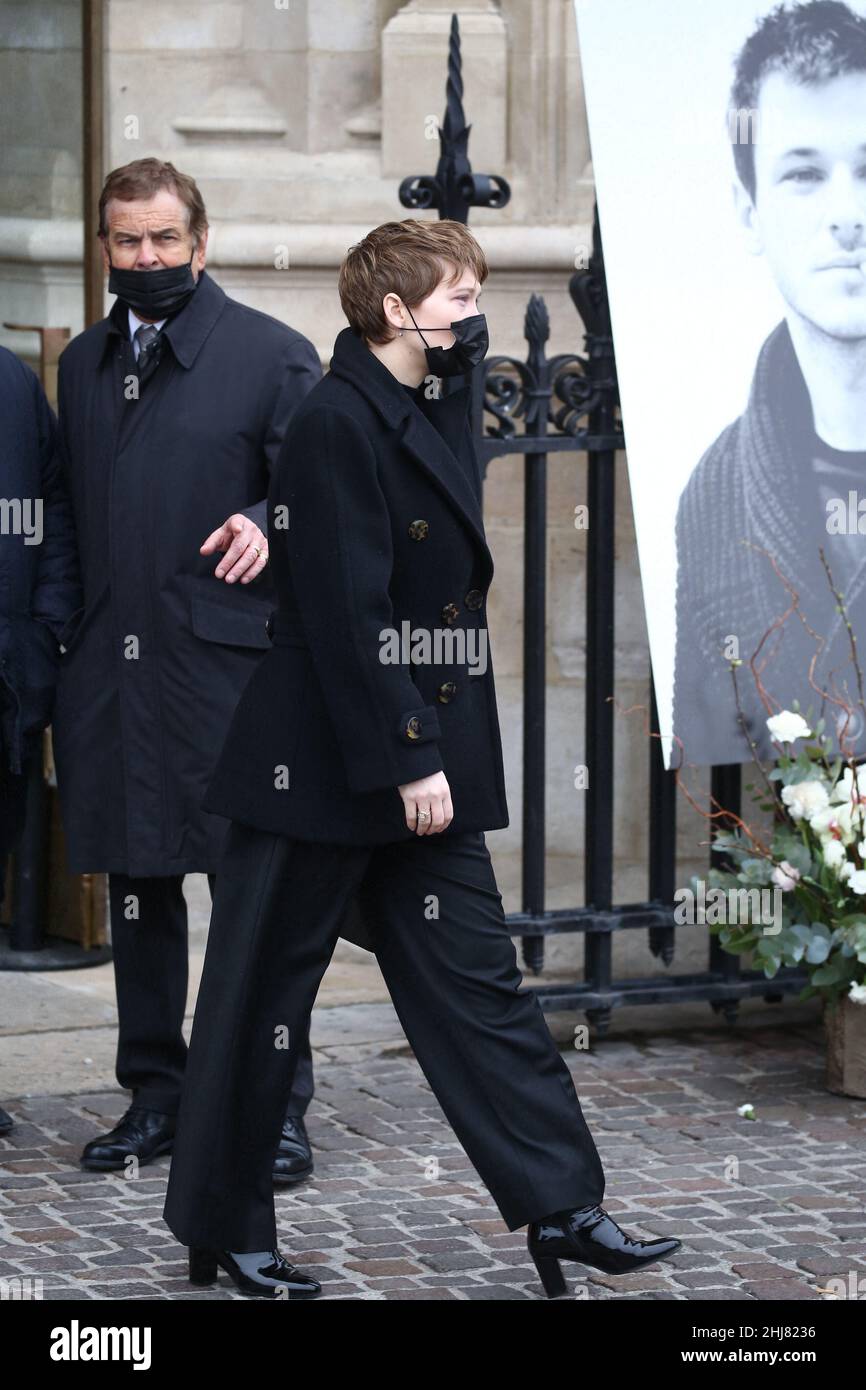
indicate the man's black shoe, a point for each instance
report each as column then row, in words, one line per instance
column 141, row 1133
column 294, row 1159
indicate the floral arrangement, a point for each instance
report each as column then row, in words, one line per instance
column 816, row 857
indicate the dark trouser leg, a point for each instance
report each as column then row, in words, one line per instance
column 278, row 907
column 481, row 1042
column 151, row 972
column 303, row 1086
column 13, row 807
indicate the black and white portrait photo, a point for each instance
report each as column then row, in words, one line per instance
column 733, row 211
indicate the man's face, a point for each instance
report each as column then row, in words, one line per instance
column 151, row 234
column 809, row 213
column 445, row 305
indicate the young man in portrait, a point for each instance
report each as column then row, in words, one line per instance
column 784, row 478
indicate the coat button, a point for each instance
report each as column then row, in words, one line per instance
column 474, row 598
column 449, row 612
column 418, row 530
column 446, row 691
column 413, row 727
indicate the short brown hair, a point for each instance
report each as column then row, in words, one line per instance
column 144, row 177
column 407, row 258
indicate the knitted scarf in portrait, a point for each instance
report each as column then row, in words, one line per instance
column 756, row 483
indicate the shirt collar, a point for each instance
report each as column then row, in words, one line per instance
column 135, row 323
column 186, row 330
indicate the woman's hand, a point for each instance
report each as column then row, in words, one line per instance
column 430, row 794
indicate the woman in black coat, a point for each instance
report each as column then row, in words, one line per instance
column 363, row 765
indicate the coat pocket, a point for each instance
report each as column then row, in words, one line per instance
column 234, row 627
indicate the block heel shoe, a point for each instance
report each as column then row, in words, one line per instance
column 591, row 1237
column 273, row 1278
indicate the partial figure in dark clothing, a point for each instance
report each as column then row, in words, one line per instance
column 39, row 589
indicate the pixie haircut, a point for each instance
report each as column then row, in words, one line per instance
column 143, row 178
column 408, row 258
column 810, row 44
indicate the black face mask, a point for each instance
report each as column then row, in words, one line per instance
column 153, row 294
column 464, row 355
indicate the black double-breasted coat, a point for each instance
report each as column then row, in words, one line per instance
column 161, row 649
column 375, row 528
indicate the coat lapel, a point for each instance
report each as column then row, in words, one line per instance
column 354, row 361
column 430, row 451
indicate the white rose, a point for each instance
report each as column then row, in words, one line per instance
column 834, row 856
column 787, row 726
column 785, row 876
column 844, row 787
column 833, row 852
column 845, row 821
column 805, row 798
column 833, row 818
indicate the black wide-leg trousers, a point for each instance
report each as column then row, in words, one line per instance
column 443, row 946
column 150, row 952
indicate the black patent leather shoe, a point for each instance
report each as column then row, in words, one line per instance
column 6, row 1121
column 275, row 1278
column 294, row 1159
column 141, row 1133
column 589, row 1235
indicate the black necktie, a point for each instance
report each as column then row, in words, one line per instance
column 149, row 341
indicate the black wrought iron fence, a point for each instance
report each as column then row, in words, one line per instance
column 569, row 403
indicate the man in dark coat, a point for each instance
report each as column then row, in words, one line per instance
column 346, row 770
column 170, row 433
column 39, row 589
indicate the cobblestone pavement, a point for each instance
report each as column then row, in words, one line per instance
column 767, row 1209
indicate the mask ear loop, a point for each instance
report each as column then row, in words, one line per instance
column 412, row 317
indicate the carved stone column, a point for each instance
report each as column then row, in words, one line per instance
column 414, row 69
